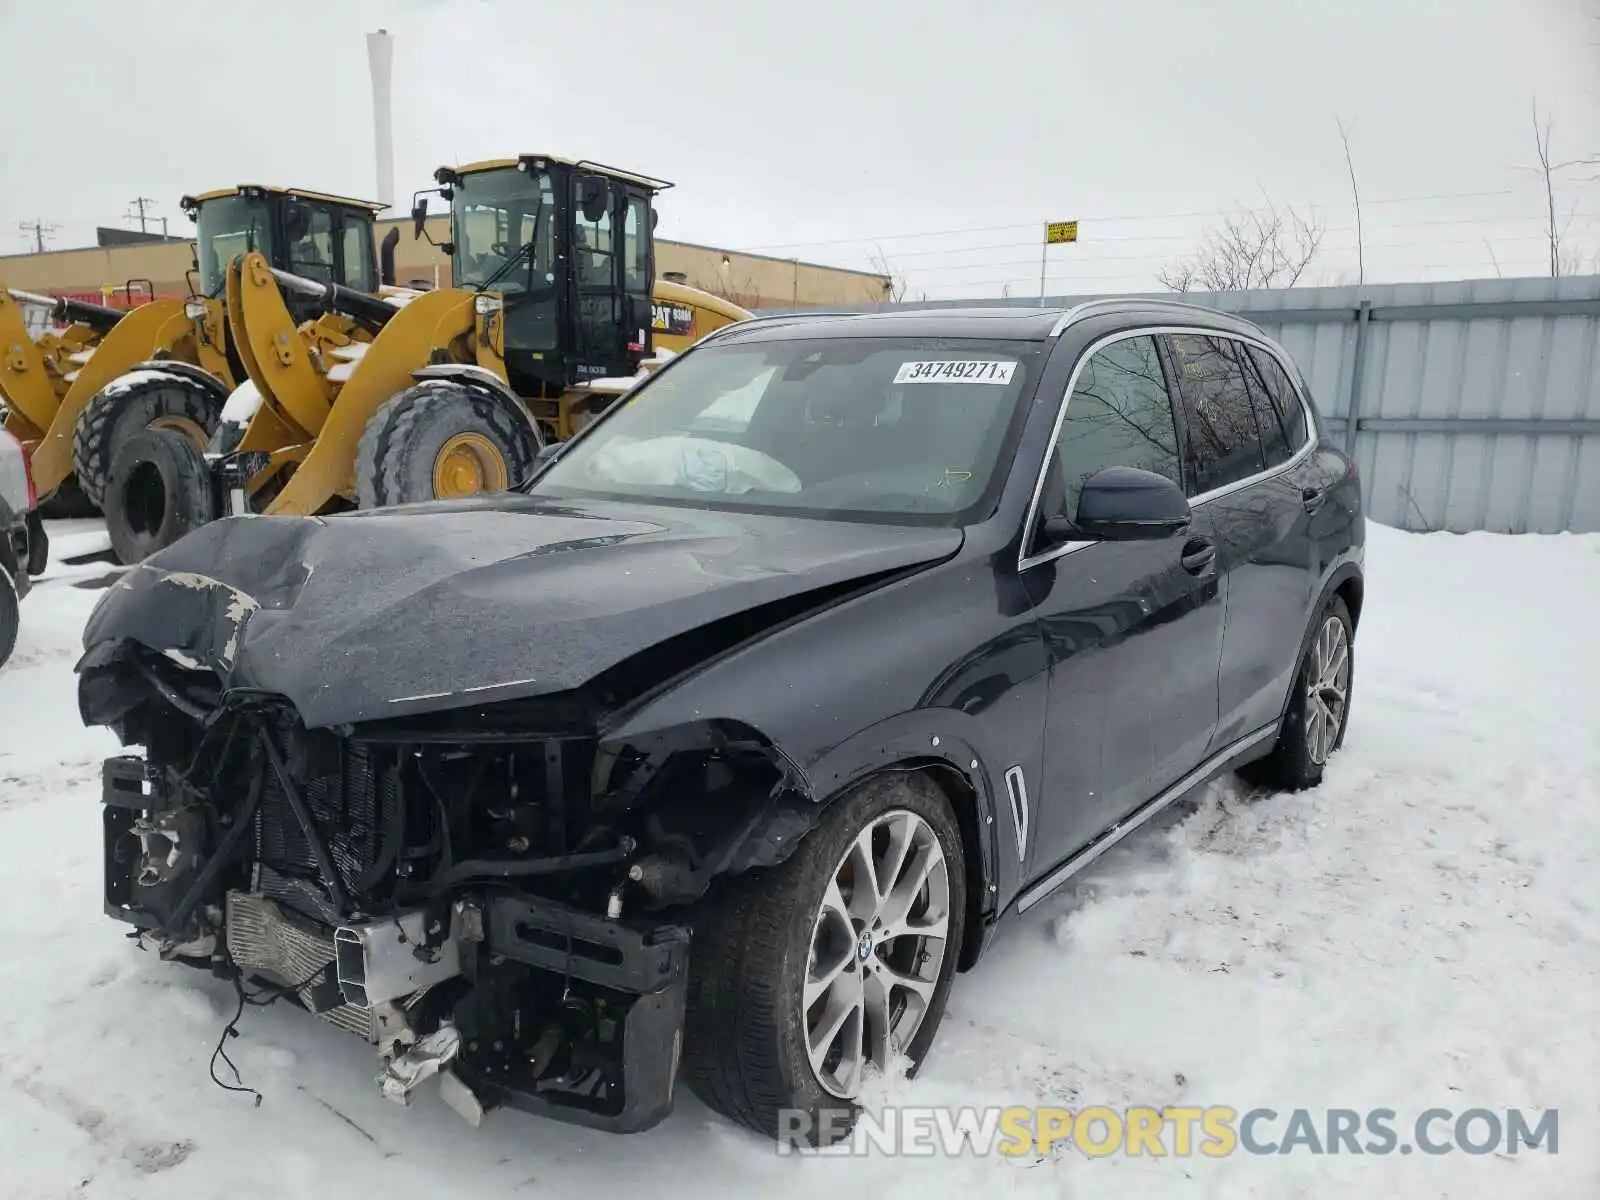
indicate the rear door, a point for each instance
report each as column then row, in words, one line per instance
column 1132, row 629
column 1245, row 449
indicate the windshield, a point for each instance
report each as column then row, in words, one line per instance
column 225, row 228
column 902, row 429
column 497, row 216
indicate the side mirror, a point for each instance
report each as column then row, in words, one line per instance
column 419, row 218
column 593, row 199
column 547, row 452
column 1122, row 504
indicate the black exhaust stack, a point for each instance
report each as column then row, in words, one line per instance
column 386, row 257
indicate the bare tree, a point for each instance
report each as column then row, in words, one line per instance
column 1562, row 261
column 1267, row 247
column 1355, row 192
column 894, row 283
column 1493, row 258
column 745, row 294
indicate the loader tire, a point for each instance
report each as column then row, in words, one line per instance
column 160, row 489
column 122, row 408
column 442, row 439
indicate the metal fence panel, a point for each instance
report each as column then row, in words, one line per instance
column 1476, row 403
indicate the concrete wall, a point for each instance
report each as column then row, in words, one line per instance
column 751, row 280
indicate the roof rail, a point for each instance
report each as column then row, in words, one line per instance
column 758, row 319
column 1079, row 311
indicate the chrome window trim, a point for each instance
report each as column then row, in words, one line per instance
column 1262, row 342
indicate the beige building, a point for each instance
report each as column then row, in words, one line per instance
column 751, row 280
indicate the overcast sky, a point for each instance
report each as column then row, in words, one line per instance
column 831, row 128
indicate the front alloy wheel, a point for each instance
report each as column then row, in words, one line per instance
column 877, row 944
column 804, row 973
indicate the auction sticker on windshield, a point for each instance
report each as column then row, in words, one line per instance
column 956, row 371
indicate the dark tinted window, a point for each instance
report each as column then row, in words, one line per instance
column 1274, row 442
column 1285, row 400
column 1119, row 416
column 1223, row 443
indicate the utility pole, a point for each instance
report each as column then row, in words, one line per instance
column 38, row 230
column 139, row 203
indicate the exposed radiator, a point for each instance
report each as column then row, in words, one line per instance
column 351, row 803
column 265, row 941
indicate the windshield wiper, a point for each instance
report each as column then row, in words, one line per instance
column 505, row 267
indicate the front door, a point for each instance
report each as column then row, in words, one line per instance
column 1133, row 629
column 599, row 312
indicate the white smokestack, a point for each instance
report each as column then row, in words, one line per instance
column 380, row 57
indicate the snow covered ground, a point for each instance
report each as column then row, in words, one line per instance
column 1420, row 931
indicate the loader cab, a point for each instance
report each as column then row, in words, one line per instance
column 567, row 248
column 323, row 237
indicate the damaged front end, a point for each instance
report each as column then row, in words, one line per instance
column 496, row 895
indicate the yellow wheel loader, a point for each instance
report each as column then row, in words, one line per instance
column 36, row 372
column 452, row 392
column 169, row 364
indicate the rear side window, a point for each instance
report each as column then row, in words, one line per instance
column 1224, row 446
column 1119, row 415
column 1286, row 406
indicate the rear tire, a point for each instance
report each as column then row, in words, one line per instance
column 160, row 490
column 760, row 946
column 10, row 614
column 443, row 432
column 121, row 409
column 1304, row 742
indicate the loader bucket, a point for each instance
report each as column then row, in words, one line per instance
column 146, row 332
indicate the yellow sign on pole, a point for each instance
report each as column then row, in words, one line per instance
column 1056, row 232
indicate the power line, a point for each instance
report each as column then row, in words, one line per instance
column 39, row 230
column 965, row 287
column 1130, row 217
column 137, row 213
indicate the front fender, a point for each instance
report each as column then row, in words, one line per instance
column 194, row 374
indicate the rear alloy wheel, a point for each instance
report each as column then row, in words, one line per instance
column 1327, row 689
column 160, row 490
column 1319, row 707
column 142, row 399
column 807, row 976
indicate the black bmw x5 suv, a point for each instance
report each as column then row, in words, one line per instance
column 720, row 747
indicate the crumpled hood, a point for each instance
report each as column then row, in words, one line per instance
column 429, row 607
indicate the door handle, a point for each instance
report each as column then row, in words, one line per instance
column 1311, row 498
column 1199, row 555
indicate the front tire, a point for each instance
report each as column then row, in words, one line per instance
column 840, row 958
column 160, row 490
column 1319, row 706
column 440, row 440
column 143, row 399
column 10, row 614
